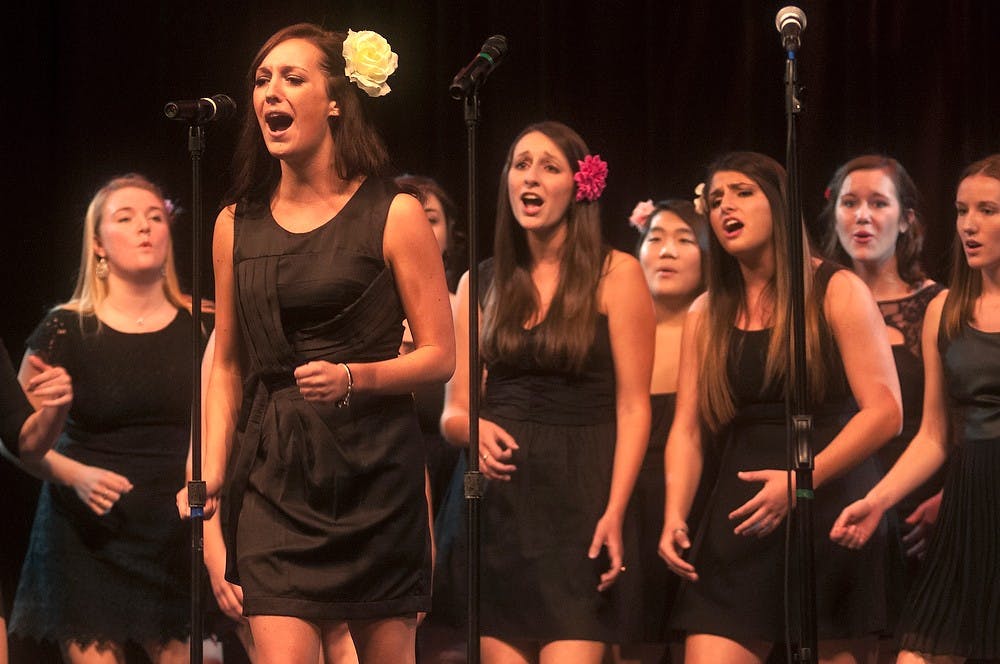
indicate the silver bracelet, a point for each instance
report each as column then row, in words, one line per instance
column 345, row 400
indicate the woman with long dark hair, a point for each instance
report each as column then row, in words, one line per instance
column 318, row 260
column 734, row 363
column 567, row 348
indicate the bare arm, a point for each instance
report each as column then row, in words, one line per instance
column 455, row 415
column 415, row 258
column 871, row 372
column 853, row 316
column 632, row 328
column 924, row 455
column 683, row 456
column 412, row 254
column 96, row 487
column 495, row 444
column 224, row 387
column 50, row 391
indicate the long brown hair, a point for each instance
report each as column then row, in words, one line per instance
column 565, row 336
column 966, row 284
column 727, row 296
column 909, row 244
column 358, row 148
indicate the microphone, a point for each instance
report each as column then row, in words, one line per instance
column 790, row 22
column 474, row 73
column 200, row 111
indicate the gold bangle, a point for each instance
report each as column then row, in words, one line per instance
column 345, row 400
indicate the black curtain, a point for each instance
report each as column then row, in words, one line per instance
column 656, row 87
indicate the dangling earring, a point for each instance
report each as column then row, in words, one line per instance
column 102, row 268
column 163, row 270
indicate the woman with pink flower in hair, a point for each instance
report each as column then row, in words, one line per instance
column 318, row 260
column 567, row 348
column 673, row 252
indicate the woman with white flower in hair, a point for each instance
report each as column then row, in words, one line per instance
column 567, row 349
column 317, row 262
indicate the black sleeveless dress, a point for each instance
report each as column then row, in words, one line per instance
column 954, row 606
column 739, row 594
column 537, row 582
column 658, row 583
column 123, row 576
column 906, row 315
column 325, row 517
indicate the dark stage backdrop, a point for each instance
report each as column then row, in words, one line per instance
column 657, row 87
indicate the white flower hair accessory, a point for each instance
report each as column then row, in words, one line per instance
column 369, row 61
column 699, row 200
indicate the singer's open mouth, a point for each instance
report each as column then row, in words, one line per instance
column 278, row 121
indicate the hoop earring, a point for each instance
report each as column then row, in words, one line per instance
column 102, row 270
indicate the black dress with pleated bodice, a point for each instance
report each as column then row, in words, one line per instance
column 326, row 517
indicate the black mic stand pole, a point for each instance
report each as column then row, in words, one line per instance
column 804, row 642
column 196, row 487
column 473, row 482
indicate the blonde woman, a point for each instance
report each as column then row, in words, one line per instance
column 107, row 561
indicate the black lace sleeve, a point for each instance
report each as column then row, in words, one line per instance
column 52, row 338
column 907, row 315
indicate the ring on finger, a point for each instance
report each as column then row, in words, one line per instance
column 485, row 456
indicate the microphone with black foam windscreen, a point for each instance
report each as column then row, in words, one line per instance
column 200, row 111
column 473, row 74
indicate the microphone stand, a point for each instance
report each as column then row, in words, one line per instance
column 803, row 641
column 196, row 487
column 473, row 481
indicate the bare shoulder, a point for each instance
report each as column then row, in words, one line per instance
column 226, row 215
column 847, row 295
column 935, row 307
column 225, row 221
column 405, row 209
column 699, row 305
column 844, row 283
column 406, row 227
column 620, row 266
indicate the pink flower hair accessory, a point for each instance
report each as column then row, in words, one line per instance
column 591, row 178
column 639, row 218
